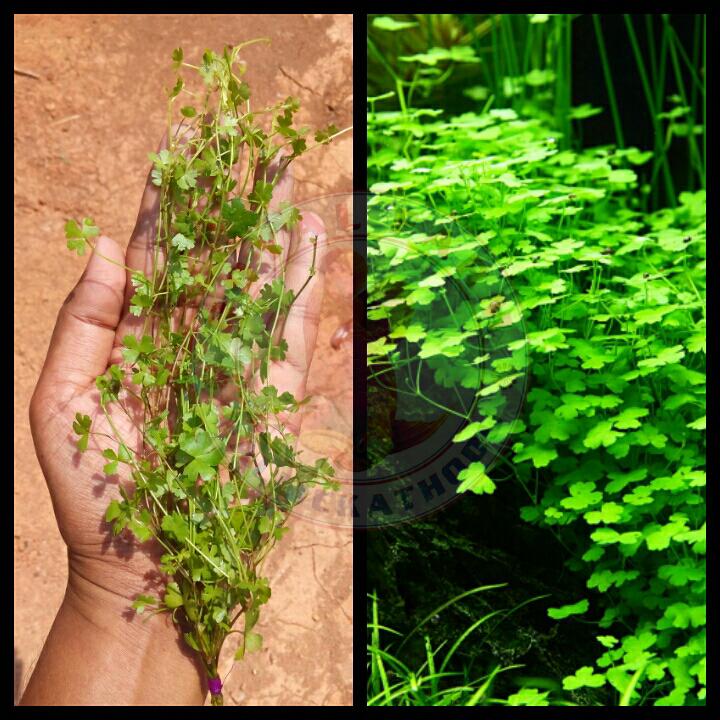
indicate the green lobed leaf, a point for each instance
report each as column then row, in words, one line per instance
column 579, row 608
column 475, row 479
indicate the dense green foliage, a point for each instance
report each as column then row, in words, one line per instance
column 594, row 307
column 192, row 414
column 530, row 64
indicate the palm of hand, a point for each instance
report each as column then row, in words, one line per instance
column 87, row 339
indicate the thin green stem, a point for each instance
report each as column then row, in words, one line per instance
column 607, row 74
column 651, row 107
column 695, row 160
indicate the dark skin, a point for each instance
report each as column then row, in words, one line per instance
column 98, row 651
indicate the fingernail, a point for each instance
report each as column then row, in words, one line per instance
column 312, row 225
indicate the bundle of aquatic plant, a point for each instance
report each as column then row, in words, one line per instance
column 199, row 431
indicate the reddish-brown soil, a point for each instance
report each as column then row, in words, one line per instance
column 83, row 129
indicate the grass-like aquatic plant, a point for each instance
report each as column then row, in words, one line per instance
column 439, row 680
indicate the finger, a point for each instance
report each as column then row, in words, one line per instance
column 140, row 256
column 301, row 325
column 85, row 330
column 268, row 172
column 282, row 195
column 282, row 174
column 277, row 170
column 141, row 250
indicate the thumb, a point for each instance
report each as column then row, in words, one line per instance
column 85, row 330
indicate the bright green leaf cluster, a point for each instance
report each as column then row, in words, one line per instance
column 597, row 306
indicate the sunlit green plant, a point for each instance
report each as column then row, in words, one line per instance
column 525, row 62
column 610, row 446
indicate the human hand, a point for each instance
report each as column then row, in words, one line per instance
column 87, row 339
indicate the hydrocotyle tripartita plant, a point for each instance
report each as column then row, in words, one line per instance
column 214, row 467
